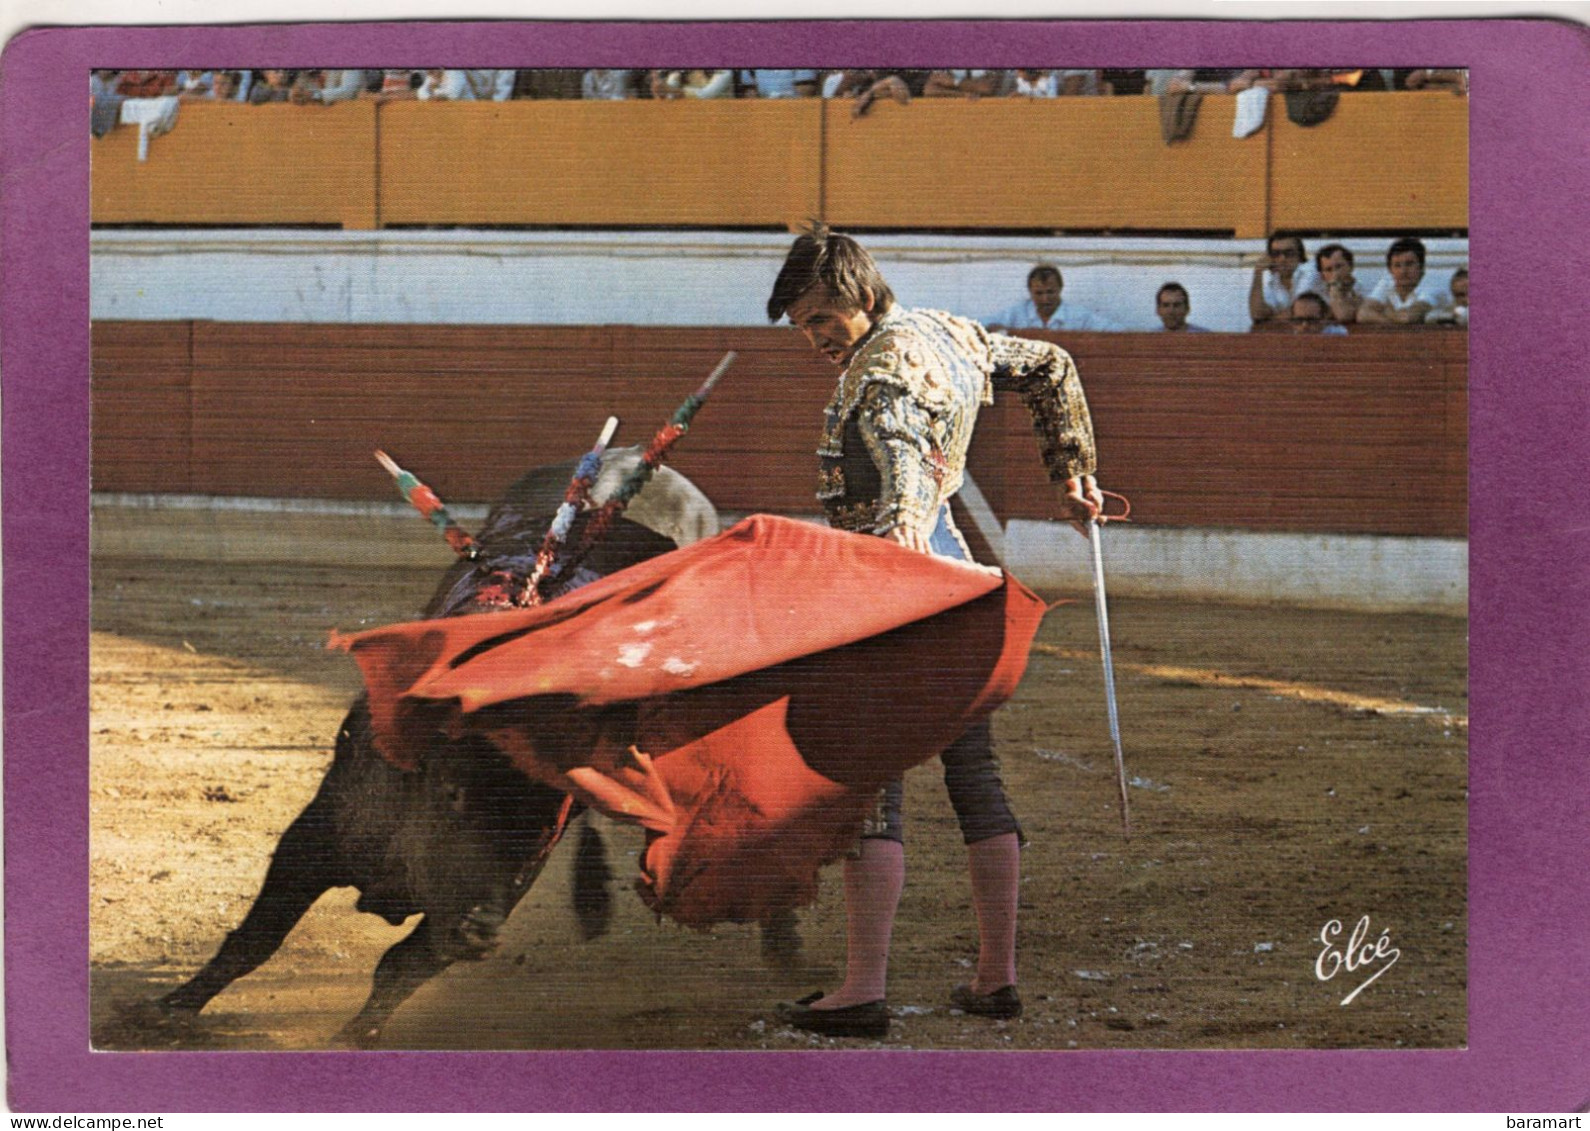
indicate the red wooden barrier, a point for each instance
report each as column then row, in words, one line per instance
column 1366, row 433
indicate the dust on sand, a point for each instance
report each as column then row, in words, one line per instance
column 1262, row 810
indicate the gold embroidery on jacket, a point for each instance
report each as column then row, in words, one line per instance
column 914, row 389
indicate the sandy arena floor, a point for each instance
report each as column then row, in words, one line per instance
column 1290, row 767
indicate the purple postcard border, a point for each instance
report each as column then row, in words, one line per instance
column 1529, row 999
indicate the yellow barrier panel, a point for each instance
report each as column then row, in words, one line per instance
column 1381, row 162
column 1070, row 163
column 225, row 163
column 709, row 164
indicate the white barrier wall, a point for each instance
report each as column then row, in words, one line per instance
column 716, row 279
column 1328, row 571
column 1333, row 571
column 646, row 278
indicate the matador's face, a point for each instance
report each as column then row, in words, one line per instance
column 833, row 325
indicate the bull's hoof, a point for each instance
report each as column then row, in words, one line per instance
column 180, row 1002
column 158, row 1013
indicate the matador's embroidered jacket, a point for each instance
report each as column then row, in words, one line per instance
column 896, row 431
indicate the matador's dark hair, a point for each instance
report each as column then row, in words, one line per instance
column 835, row 261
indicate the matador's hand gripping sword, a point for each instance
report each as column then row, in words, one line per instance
column 1096, row 541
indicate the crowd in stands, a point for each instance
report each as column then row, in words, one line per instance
column 1403, row 297
column 864, row 86
column 1288, row 293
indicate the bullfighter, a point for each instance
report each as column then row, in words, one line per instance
column 891, row 455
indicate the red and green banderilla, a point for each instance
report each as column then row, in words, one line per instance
column 425, row 501
column 650, row 460
column 575, row 499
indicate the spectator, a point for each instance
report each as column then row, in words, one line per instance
column 779, row 84
column 869, row 86
column 1311, row 314
column 1456, row 308
column 399, row 85
column 1125, row 81
column 231, row 86
column 272, row 86
column 607, row 86
column 1044, row 310
column 103, row 84
column 1460, row 294
column 1426, row 79
column 466, row 86
column 103, row 101
column 1208, row 81
column 146, row 84
column 1280, row 278
column 692, row 84
column 343, row 86
column 306, row 87
column 1074, row 83
column 1173, row 306
column 1036, row 84
column 1334, row 265
column 547, row 82
column 1307, row 79
column 1404, row 298
column 970, row 85
column 195, row 85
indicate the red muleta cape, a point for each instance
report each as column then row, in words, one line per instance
column 742, row 698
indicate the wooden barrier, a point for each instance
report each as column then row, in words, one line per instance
column 230, row 164
column 708, row 164
column 1381, row 162
column 142, row 408
column 1084, row 163
column 1362, row 434
column 1373, row 166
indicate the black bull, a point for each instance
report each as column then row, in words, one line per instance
column 462, row 838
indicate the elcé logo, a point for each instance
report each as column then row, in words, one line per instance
column 1358, row 954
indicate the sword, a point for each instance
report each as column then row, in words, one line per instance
column 1096, row 541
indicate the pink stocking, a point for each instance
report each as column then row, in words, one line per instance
column 996, row 886
column 873, row 882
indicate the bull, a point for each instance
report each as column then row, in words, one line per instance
column 461, row 839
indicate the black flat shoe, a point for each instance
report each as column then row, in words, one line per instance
column 869, row 1020
column 1003, row 1003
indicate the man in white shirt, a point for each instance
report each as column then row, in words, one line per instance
column 1311, row 314
column 1044, row 310
column 1405, row 297
column 466, row 86
column 964, row 84
column 1280, row 277
column 1172, row 304
column 1456, row 308
column 779, row 84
